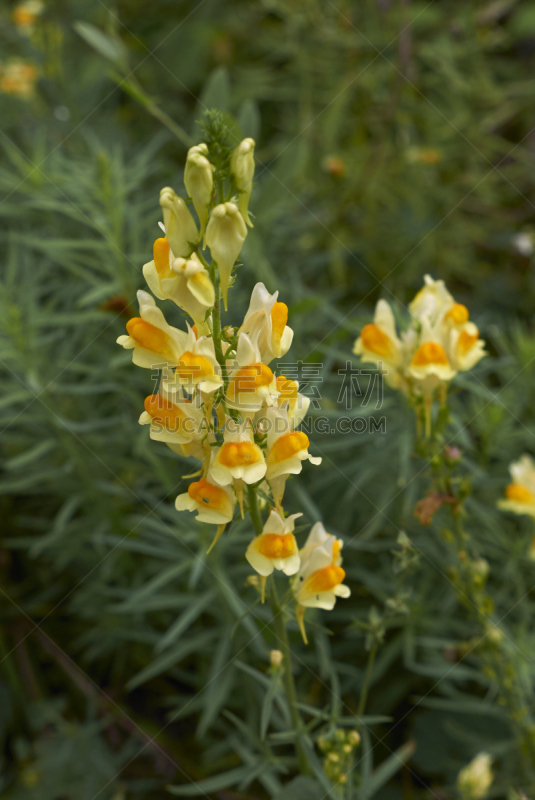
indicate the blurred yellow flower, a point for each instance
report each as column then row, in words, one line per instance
column 25, row 15
column 18, row 77
column 520, row 493
column 475, row 780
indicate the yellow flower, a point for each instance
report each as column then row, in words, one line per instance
column 172, row 419
column 465, row 346
column 265, row 322
column 214, row 504
column 430, row 359
column 153, row 341
column 520, row 493
column 276, row 547
column 476, row 778
column 242, row 169
column 251, row 382
column 180, row 228
column 185, row 282
column 25, row 15
column 196, row 365
column 378, row 343
column 238, row 458
column 287, row 449
column 289, row 398
column 18, row 78
column 199, row 180
column 320, row 578
column 225, row 235
column 432, row 302
column 439, row 342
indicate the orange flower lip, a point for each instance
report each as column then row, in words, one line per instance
column 287, row 388
column 208, row 496
column 194, row 367
column 279, row 318
column 376, row 341
column 467, row 341
column 249, row 379
column 277, row 545
column 325, row 580
column 163, row 411
column 150, row 337
column 239, row 454
column 287, row 446
column 430, row 353
column 458, row 314
column 160, row 253
column 519, row 493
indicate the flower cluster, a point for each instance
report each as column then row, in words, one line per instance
column 219, row 400
column 439, row 342
column 338, row 748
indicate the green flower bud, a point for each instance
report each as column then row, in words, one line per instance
column 225, row 235
column 242, row 170
column 180, row 228
column 199, row 180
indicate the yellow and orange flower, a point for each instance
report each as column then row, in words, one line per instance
column 184, row 281
column 238, row 458
column 153, row 341
column 265, row 323
column 213, row 504
column 520, row 493
column 197, row 366
column 252, row 384
column 287, row 449
column 172, row 418
column 378, row 343
column 295, row 403
column 18, row 78
column 320, row 578
column 276, row 547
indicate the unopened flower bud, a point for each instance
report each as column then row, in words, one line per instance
column 494, row 635
column 199, row 180
column 225, row 235
column 480, row 571
column 353, row 737
column 275, row 658
column 334, row 757
column 180, row 228
column 242, row 169
column 475, row 779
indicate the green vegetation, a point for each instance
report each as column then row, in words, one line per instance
column 394, row 139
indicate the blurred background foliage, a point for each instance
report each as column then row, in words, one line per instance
column 394, row 138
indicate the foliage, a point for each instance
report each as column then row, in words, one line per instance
column 393, row 139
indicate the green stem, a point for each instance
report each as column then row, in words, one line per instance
column 254, row 510
column 134, row 88
column 367, row 679
column 282, row 637
column 289, row 684
column 216, row 329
